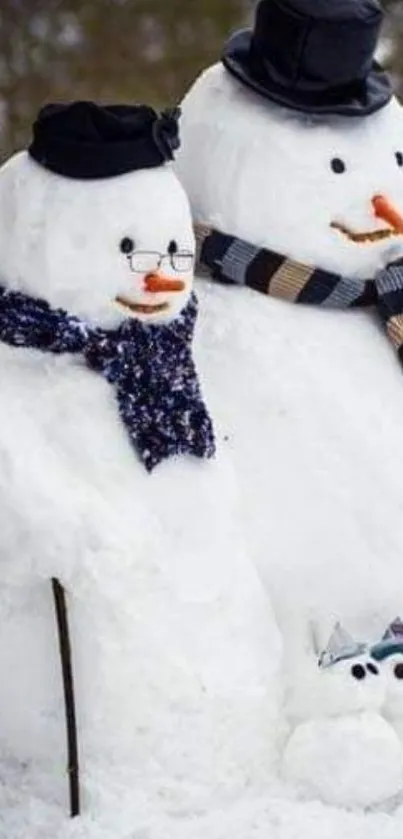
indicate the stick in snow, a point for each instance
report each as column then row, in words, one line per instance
column 68, row 689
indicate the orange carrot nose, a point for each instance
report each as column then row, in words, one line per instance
column 156, row 282
column 386, row 211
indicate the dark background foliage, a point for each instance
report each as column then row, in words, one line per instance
column 119, row 51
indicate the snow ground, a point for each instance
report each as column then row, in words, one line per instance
column 254, row 814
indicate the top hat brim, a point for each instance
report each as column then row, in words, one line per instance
column 370, row 95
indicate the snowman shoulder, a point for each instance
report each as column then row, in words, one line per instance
column 212, row 79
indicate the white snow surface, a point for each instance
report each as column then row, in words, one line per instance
column 193, row 592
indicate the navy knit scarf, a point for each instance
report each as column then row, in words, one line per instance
column 150, row 366
column 231, row 260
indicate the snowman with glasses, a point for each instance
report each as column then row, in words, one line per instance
column 110, row 475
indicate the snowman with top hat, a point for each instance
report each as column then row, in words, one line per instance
column 292, row 157
column 109, row 489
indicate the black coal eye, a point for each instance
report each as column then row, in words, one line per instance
column 399, row 158
column 372, row 668
column 338, row 165
column 358, row 671
column 399, row 671
column 172, row 247
column 127, row 245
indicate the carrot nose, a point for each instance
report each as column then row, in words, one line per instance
column 386, row 211
column 156, row 282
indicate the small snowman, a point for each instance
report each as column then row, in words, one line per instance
column 109, row 487
column 341, row 750
column 388, row 653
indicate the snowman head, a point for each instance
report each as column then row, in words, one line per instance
column 388, row 653
column 92, row 217
column 350, row 677
column 343, row 679
column 298, row 141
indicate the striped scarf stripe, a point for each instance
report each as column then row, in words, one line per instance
column 234, row 261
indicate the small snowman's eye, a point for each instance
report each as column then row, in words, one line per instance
column 399, row 158
column 358, row 671
column 338, row 165
column 172, row 247
column 127, row 245
column 399, row 671
column 372, row 668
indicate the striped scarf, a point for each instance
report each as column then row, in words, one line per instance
column 228, row 259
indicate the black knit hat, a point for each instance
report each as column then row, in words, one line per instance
column 315, row 56
column 83, row 140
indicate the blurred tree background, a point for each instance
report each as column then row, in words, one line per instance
column 107, row 50
column 120, row 51
column 394, row 42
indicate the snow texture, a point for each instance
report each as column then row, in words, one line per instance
column 348, row 760
column 193, row 592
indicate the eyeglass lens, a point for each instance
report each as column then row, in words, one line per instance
column 146, row 261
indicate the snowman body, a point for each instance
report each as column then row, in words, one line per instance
column 346, row 761
column 174, row 645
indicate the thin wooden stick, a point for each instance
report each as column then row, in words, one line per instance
column 68, row 689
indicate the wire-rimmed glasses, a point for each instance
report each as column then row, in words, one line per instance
column 145, row 262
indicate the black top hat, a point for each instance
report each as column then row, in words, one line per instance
column 84, row 140
column 314, row 56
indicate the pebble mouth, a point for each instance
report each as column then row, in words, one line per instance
column 142, row 308
column 362, row 238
